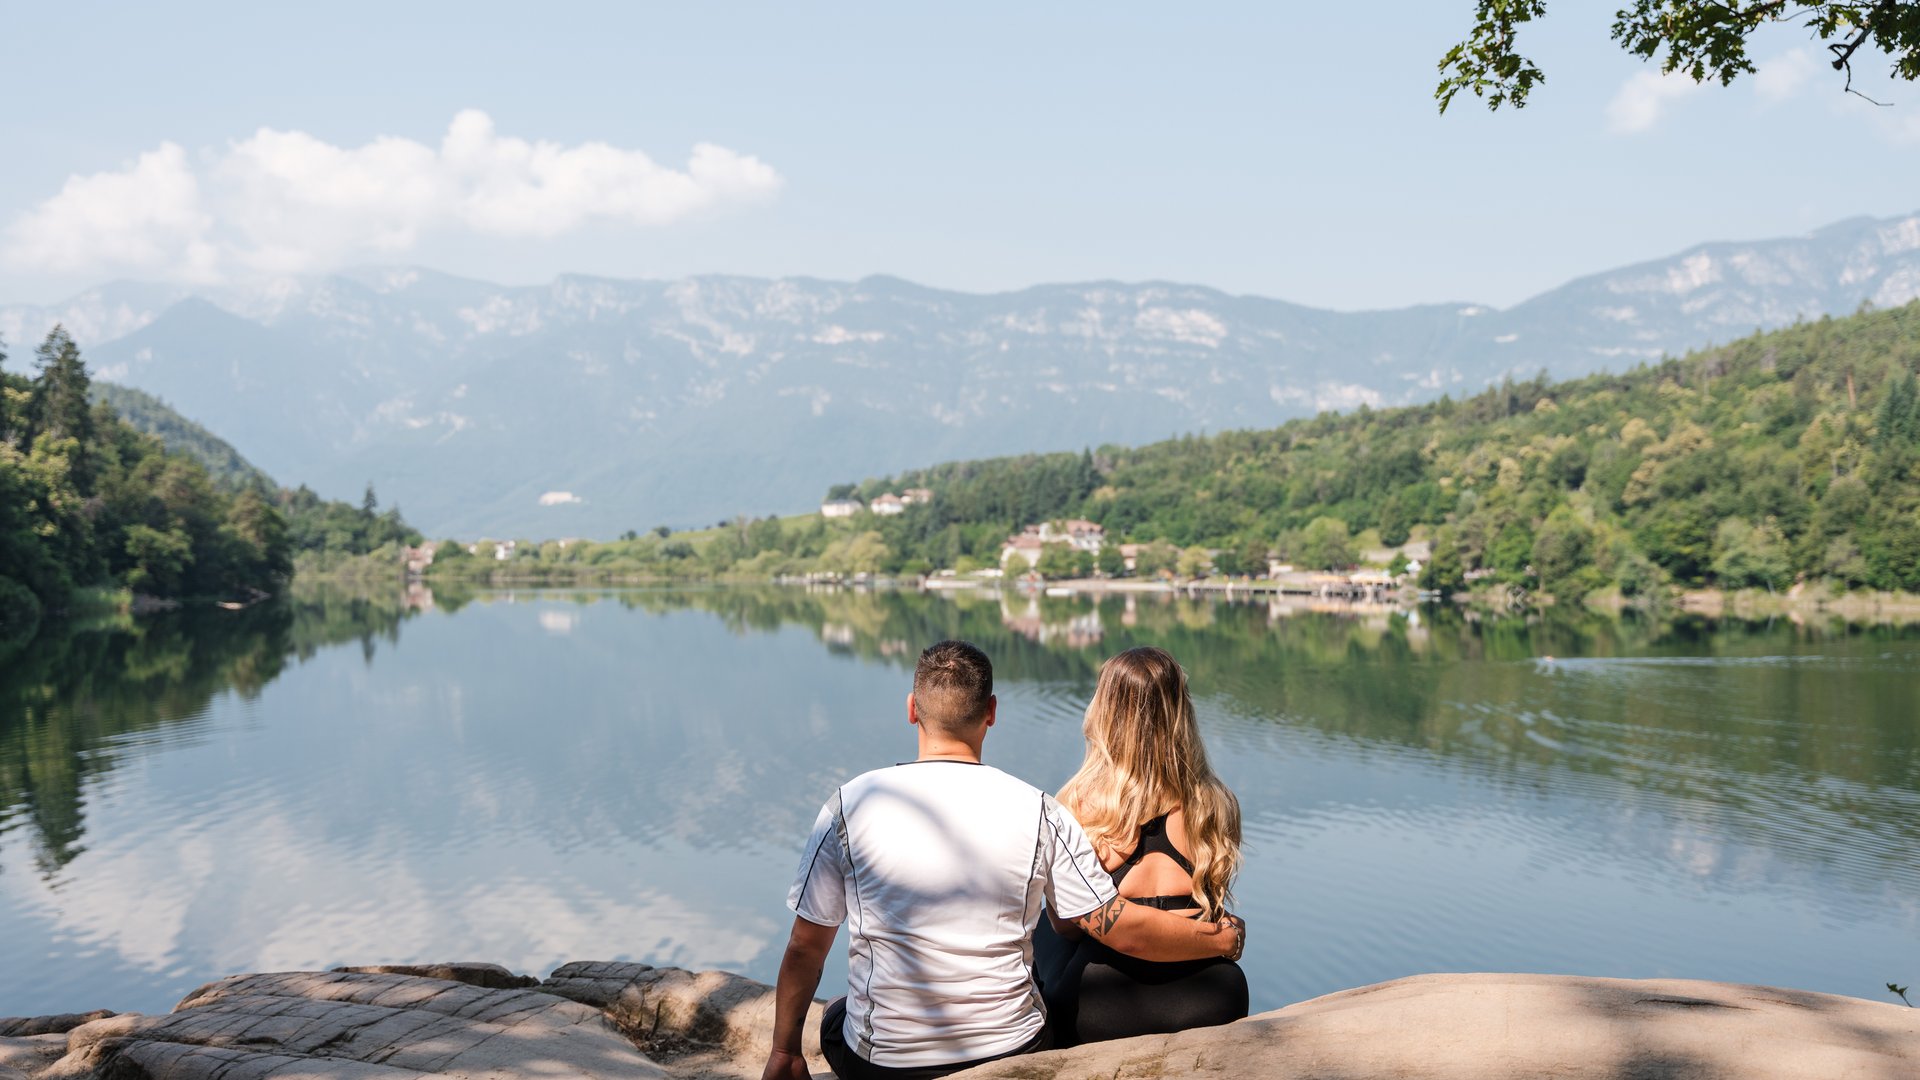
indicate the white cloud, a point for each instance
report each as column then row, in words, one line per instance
column 147, row 215
column 560, row 498
column 1785, row 75
column 1639, row 103
column 286, row 201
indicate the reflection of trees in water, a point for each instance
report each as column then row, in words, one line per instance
column 1755, row 743
column 69, row 695
column 1466, row 694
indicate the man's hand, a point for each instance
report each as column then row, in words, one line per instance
column 1152, row 934
column 785, row 1065
column 1238, row 925
column 807, row 948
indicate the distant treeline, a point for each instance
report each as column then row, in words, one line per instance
column 89, row 500
column 1787, row 456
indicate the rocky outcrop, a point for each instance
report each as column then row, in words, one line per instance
column 625, row 1021
column 354, row 1026
column 1521, row 1027
column 697, row 1024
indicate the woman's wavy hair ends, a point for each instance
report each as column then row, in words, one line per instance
column 1144, row 758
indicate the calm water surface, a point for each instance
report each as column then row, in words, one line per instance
column 536, row 777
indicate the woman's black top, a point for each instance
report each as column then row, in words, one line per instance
column 1155, row 841
column 1094, row 993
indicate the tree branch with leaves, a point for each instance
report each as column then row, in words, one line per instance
column 1701, row 39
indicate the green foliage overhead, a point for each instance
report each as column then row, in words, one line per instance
column 1702, row 39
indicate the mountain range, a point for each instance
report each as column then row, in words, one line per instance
column 592, row 405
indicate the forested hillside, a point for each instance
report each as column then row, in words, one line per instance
column 1788, row 455
column 177, row 433
column 87, row 499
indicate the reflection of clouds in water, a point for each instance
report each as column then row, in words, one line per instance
column 557, row 621
column 256, row 892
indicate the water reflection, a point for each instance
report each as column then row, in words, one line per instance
column 75, row 701
column 539, row 776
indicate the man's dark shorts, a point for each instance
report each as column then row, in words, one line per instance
column 848, row 1065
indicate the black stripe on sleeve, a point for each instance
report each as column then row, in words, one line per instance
column 1076, row 866
column 807, row 881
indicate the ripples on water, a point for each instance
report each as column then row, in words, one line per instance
column 535, row 779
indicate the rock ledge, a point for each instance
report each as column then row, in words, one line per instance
column 620, row 1020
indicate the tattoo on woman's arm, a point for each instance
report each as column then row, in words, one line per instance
column 1099, row 922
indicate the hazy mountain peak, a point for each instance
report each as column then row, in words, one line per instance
column 687, row 400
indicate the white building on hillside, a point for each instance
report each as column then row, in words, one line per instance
column 839, row 508
column 1079, row 534
column 1026, row 546
column 1084, row 535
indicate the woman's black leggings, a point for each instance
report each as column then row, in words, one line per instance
column 1094, row 994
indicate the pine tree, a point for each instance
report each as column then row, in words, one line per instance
column 1898, row 419
column 58, row 405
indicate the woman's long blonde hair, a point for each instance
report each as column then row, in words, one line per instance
column 1144, row 759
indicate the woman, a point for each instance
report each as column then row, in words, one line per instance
column 1168, row 831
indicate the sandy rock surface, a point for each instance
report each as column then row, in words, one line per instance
column 354, row 1025
column 29, row 1055
column 625, row 1021
column 1523, row 1027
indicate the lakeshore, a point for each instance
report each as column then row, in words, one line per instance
column 627, row 1021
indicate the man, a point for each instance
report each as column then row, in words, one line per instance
column 940, row 866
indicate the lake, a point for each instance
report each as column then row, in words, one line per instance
column 533, row 777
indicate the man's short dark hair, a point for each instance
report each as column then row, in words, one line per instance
column 951, row 686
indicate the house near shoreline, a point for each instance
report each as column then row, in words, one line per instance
column 840, row 508
column 503, row 550
column 1077, row 533
column 417, row 559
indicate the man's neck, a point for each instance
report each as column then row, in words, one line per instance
column 947, row 749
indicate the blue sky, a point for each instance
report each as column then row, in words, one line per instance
column 1287, row 150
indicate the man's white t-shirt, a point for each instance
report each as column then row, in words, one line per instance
column 939, row 869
